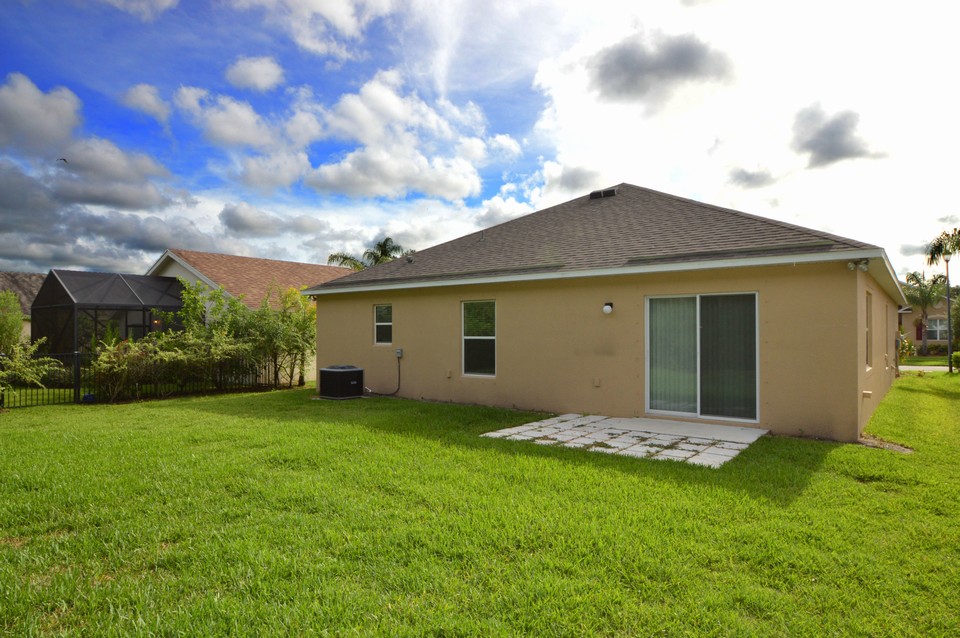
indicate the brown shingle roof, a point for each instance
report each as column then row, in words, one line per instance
column 635, row 227
column 25, row 284
column 253, row 277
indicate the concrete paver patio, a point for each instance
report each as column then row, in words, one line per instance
column 698, row 443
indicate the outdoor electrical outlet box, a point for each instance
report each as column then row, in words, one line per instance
column 341, row 382
column 399, row 352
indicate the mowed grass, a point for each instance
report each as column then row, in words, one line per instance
column 929, row 360
column 272, row 514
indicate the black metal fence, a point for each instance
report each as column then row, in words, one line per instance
column 79, row 381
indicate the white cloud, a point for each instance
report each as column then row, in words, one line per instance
column 259, row 74
column 499, row 209
column 267, row 172
column 34, row 121
column 384, row 172
column 146, row 9
column 146, row 98
column 472, row 149
column 406, row 144
column 100, row 173
column 505, row 146
column 244, row 220
column 326, row 27
column 224, row 120
column 97, row 157
column 303, row 128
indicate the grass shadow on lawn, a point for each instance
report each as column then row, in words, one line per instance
column 775, row 469
column 951, row 394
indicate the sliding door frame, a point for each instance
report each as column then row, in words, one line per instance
column 646, row 356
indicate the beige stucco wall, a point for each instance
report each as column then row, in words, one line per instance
column 556, row 350
column 876, row 377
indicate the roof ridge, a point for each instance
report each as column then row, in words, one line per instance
column 765, row 220
column 181, row 251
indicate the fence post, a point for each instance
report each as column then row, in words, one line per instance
column 76, row 377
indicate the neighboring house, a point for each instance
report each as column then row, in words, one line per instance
column 630, row 302
column 249, row 278
column 26, row 285
column 911, row 323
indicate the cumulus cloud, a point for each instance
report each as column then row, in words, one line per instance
column 505, row 146
column 145, row 9
column 948, row 219
column 635, row 69
column 406, row 145
column 224, row 120
column 146, row 98
column 561, row 181
column 828, row 138
column 323, row 28
column 244, row 220
column 500, row 208
column 912, row 250
column 751, row 179
column 266, row 172
column 382, row 172
column 100, row 173
column 259, row 74
column 41, row 229
column 303, row 128
column 34, row 121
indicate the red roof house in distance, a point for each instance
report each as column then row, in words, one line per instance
column 252, row 278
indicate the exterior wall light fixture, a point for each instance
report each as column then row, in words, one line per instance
column 862, row 264
column 607, row 308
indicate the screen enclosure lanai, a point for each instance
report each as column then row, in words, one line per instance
column 76, row 310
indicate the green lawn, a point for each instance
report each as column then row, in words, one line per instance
column 271, row 514
column 930, row 360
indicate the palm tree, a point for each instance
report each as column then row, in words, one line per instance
column 923, row 294
column 944, row 243
column 383, row 251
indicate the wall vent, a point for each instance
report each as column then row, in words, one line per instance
column 609, row 192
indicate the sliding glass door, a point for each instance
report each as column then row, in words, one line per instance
column 702, row 355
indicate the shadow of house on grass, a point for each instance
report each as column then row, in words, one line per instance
column 774, row 469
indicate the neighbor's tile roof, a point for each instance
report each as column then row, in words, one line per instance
column 253, row 277
column 635, row 227
column 25, row 284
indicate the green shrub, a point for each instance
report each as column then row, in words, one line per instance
column 906, row 349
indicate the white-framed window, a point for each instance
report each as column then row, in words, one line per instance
column 480, row 338
column 869, row 331
column 702, row 355
column 383, row 324
column 937, row 329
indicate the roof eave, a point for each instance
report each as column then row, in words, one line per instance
column 891, row 286
column 169, row 254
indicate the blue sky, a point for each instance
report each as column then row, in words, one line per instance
column 291, row 129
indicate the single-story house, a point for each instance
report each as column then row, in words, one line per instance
column 25, row 285
column 630, row 302
column 912, row 326
column 249, row 278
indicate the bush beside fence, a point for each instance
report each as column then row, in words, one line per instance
column 83, row 379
